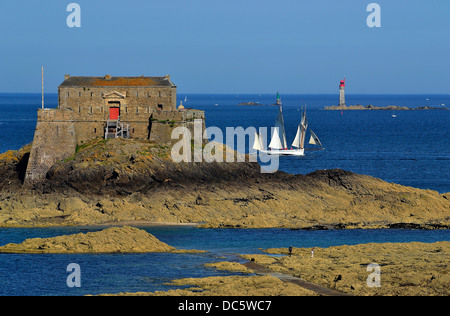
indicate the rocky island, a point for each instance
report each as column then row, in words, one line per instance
column 385, row 108
column 249, row 103
column 111, row 240
column 135, row 181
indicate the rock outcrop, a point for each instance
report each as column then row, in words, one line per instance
column 255, row 285
column 119, row 181
column 405, row 269
column 111, row 240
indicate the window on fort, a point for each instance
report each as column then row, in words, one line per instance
column 95, row 130
column 148, row 94
column 92, row 94
column 160, row 106
column 79, row 94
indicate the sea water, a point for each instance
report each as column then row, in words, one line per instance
column 412, row 149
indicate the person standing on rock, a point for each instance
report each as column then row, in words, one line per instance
column 290, row 251
column 312, row 252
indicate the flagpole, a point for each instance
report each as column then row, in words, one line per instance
column 42, row 87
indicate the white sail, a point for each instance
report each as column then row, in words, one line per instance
column 296, row 142
column 314, row 140
column 257, row 143
column 299, row 140
column 279, row 124
column 303, row 126
column 275, row 142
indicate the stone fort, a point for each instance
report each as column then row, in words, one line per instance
column 105, row 107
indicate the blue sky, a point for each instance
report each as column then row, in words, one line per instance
column 233, row 46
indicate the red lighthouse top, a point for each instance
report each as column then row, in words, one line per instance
column 342, row 83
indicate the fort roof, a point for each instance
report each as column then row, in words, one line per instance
column 109, row 81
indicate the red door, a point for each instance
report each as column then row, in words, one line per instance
column 114, row 113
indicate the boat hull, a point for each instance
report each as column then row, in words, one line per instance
column 286, row 152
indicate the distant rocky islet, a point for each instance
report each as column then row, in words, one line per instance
column 386, row 108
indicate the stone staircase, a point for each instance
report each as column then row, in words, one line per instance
column 115, row 128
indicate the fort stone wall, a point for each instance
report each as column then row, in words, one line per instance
column 54, row 140
column 84, row 110
column 95, row 99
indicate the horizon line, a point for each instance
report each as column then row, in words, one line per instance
column 268, row 93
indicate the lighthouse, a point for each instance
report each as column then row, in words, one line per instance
column 342, row 93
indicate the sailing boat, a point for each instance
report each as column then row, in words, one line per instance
column 278, row 144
